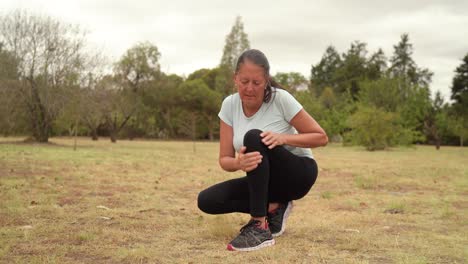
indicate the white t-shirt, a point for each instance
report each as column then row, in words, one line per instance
column 273, row 116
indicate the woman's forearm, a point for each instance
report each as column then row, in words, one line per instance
column 229, row 164
column 306, row 140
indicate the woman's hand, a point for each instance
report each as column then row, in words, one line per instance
column 272, row 140
column 248, row 161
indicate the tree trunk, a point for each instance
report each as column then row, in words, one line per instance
column 113, row 137
column 75, row 135
column 210, row 128
column 167, row 119
column 94, row 135
column 194, row 131
column 461, row 141
column 40, row 122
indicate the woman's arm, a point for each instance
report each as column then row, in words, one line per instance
column 227, row 156
column 310, row 135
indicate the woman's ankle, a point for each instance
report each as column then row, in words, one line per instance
column 262, row 220
column 272, row 207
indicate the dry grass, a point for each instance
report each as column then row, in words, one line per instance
column 135, row 202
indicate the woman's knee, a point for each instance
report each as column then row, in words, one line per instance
column 204, row 202
column 252, row 137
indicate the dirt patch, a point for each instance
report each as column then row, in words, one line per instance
column 344, row 207
column 462, row 205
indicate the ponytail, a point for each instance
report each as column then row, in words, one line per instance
column 269, row 89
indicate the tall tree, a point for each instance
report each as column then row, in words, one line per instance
column 50, row 57
column 199, row 101
column 460, row 85
column 236, row 42
column 323, row 74
column 402, row 63
column 460, row 96
column 140, row 63
column 376, row 65
column 405, row 68
column 136, row 68
column 432, row 122
column 10, row 113
column 352, row 70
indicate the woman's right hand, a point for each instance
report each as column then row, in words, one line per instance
column 248, row 161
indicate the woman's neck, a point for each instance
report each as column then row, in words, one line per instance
column 250, row 110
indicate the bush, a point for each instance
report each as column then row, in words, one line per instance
column 376, row 129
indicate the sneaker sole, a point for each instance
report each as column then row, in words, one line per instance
column 266, row 243
column 285, row 217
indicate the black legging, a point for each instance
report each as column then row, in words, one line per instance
column 280, row 177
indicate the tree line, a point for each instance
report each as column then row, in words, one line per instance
column 51, row 84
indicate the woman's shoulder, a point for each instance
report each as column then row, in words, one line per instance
column 231, row 100
column 282, row 92
column 282, row 96
column 231, row 97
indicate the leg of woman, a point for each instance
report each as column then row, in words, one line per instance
column 280, row 177
column 289, row 178
column 226, row 197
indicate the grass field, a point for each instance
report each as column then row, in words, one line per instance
column 135, row 202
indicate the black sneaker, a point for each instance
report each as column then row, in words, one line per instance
column 277, row 219
column 252, row 237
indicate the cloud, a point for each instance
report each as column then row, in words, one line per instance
column 294, row 33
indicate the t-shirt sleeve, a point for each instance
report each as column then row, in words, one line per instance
column 225, row 113
column 289, row 105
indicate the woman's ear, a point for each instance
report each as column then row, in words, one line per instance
column 234, row 79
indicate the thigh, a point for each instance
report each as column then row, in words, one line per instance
column 291, row 176
column 234, row 189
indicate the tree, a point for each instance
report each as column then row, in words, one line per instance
column 50, row 57
column 352, row 69
column 459, row 91
column 375, row 128
column 140, row 63
column 10, row 114
column 93, row 109
column 291, row 81
column 199, row 101
column 236, row 43
column 404, row 67
column 135, row 69
column 376, row 65
column 381, row 93
column 323, row 74
column 459, row 87
column 163, row 98
column 328, row 98
column 433, row 123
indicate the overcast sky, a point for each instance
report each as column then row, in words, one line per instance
column 293, row 34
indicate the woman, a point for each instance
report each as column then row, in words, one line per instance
column 272, row 135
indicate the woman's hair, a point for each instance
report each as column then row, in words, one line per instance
column 258, row 58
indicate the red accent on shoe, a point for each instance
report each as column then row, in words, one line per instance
column 274, row 210
column 230, row 248
column 265, row 227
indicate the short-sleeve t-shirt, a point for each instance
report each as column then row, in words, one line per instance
column 273, row 116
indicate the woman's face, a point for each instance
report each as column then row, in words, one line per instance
column 251, row 83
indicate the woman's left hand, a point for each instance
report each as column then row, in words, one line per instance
column 272, row 140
